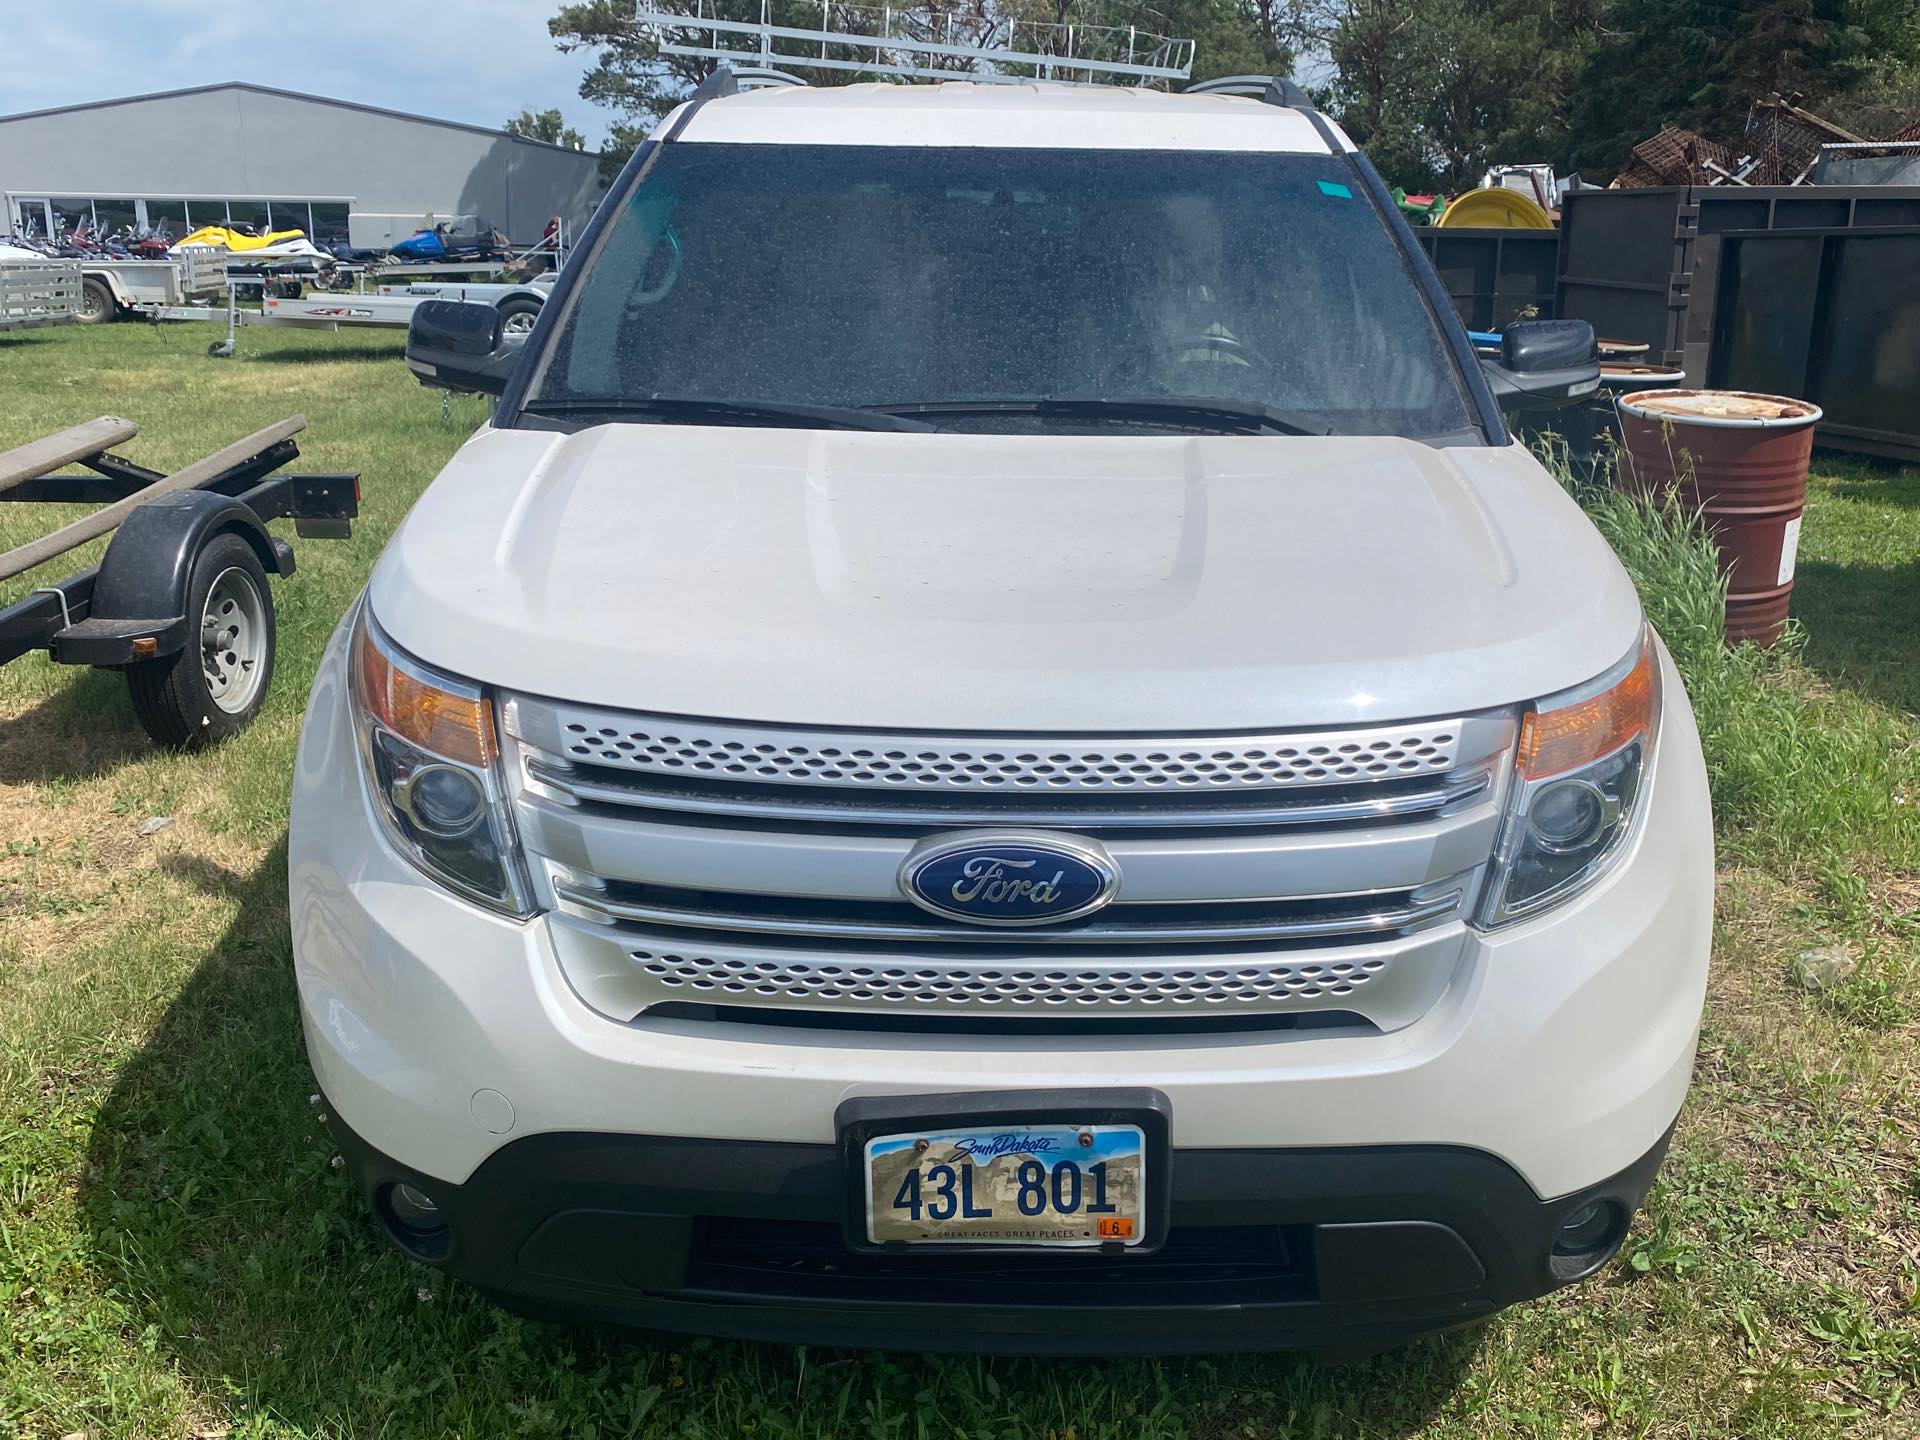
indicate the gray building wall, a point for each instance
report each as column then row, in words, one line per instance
column 234, row 140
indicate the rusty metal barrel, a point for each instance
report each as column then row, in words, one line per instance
column 1740, row 460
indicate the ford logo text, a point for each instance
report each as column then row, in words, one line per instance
column 1010, row 878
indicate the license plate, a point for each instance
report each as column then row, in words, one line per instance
column 1051, row 1185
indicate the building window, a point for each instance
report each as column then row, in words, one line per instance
column 329, row 225
column 30, row 217
column 115, row 217
column 71, row 214
column 167, row 218
column 249, row 215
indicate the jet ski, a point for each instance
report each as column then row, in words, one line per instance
column 239, row 241
column 278, row 250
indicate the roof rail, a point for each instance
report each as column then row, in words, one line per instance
column 762, row 77
column 1270, row 89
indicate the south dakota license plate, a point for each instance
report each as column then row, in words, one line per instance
column 1048, row 1185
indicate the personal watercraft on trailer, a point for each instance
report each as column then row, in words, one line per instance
column 239, row 241
column 278, row 250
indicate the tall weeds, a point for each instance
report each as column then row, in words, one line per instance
column 1803, row 777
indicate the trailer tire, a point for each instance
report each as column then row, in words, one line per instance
column 518, row 314
column 213, row 687
column 97, row 304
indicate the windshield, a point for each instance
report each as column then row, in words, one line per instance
column 896, row 277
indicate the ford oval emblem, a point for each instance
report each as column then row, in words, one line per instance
column 1015, row 877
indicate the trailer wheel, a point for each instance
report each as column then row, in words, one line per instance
column 517, row 314
column 96, row 303
column 215, row 686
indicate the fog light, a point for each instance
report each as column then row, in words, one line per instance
column 1587, row 1229
column 414, row 1222
column 415, row 1209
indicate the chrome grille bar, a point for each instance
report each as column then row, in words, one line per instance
column 604, row 788
column 1120, row 925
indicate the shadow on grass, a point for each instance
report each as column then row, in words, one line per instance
column 1869, row 480
column 1863, row 627
column 212, row 1207
column 79, row 732
column 328, row 355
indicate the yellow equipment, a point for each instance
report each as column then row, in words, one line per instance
column 233, row 240
column 1495, row 210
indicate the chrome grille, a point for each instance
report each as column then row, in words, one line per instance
column 752, row 865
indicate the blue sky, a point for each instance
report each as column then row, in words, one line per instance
column 480, row 61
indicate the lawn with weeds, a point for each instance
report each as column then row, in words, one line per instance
column 178, row 1257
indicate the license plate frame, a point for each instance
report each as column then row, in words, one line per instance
column 864, row 1119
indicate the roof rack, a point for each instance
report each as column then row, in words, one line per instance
column 1270, row 89
column 914, row 41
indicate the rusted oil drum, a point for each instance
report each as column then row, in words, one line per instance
column 1741, row 459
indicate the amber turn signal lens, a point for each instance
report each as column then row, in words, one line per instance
column 1567, row 737
column 442, row 722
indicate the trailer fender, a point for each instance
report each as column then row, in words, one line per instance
column 142, row 590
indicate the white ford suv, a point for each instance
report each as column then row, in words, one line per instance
column 995, row 748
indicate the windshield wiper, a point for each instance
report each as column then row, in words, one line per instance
column 1245, row 417
column 747, row 412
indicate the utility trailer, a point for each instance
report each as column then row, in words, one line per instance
column 142, row 287
column 393, row 305
column 35, row 293
column 180, row 602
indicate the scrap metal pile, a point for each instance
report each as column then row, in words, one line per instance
column 1782, row 144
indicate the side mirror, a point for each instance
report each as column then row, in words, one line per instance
column 1544, row 364
column 459, row 345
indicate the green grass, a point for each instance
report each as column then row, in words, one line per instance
column 179, row 1258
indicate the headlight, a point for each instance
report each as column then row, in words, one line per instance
column 432, row 761
column 1582, row 757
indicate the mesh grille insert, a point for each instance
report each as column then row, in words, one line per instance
column 974, row 986
column 771, row 756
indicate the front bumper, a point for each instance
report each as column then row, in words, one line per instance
column 1267, row 1249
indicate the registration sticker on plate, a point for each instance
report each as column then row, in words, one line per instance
column 1017, row 1184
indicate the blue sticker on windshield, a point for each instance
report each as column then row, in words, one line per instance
column 1335, row 189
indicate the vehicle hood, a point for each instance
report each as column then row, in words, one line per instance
column 994, row 582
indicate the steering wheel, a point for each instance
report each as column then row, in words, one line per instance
column 651, row 294
column 1227, row 345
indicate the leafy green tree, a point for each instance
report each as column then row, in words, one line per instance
column 1231, row 37
column 548, row 125
column 1437, row 90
